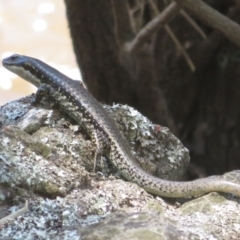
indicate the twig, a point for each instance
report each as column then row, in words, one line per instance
column 139, row 6
column 193, row 23
column 213, row 18
column 139, row 22
column 15, row 214
column 180, row 47
column 123, row 28
column 136, row 19
column 175, row 40
column 154, row 25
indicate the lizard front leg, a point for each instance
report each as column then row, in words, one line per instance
column 43, row 95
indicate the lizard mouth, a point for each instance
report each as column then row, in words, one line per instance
column 15, row 59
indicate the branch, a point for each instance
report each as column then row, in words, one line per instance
column 180, row 47
column 123, row 29
column 146, row 33
column 213, row 18
column 193, row 23
column 15, row 214
column 138, row 22
column 175, row 40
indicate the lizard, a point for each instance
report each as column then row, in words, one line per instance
column 75, row 100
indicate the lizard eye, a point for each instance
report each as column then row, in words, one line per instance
column 14, row 57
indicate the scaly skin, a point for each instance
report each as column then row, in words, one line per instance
column 79, row 104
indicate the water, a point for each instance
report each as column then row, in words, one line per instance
column 35, row 28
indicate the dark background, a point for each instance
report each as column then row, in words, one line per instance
column 200, row 107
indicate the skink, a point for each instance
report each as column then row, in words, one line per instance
column 80, row 105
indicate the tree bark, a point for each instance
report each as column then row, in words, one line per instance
column 91, row 26
column 201, row 107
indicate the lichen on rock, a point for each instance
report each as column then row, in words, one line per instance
column 47, row 159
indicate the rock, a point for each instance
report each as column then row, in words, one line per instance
column 139, row 226
column 47, row 159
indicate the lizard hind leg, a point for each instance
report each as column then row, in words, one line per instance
column 101, row 142
column 146, row 164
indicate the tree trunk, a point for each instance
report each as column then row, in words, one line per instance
column 201, row 107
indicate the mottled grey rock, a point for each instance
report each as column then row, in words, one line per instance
column 160, row 152
column 139, row 226
column 46, row 159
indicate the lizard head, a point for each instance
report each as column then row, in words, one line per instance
column 22, row 66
